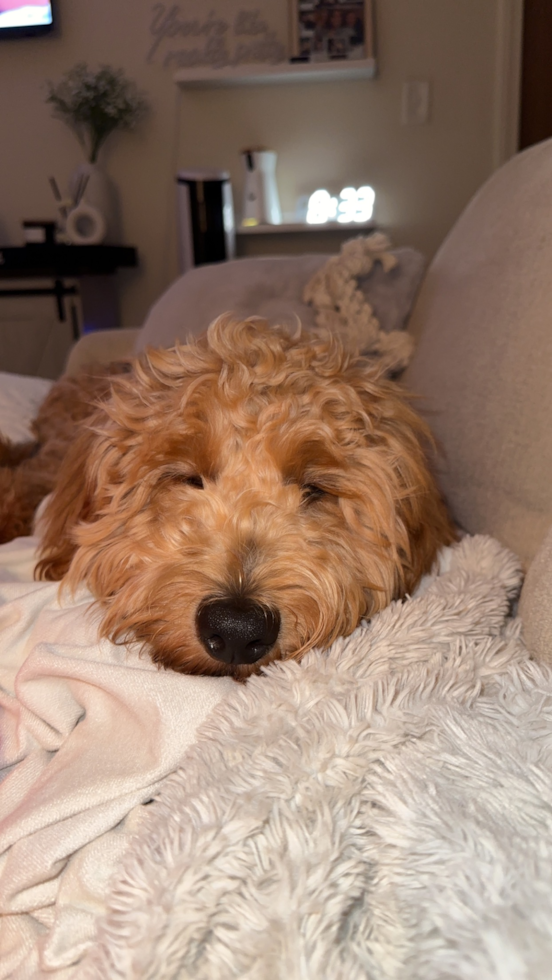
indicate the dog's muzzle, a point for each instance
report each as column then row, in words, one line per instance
column 237, row 631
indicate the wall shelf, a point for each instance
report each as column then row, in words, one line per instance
column 321, row 71
column 360, row 226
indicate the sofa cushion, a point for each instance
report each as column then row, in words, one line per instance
column 392, row 294
column 269, row 287
column 101, row 347
column 272, row 288
column 483, row 362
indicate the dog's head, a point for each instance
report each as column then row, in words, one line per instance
column 245, row 498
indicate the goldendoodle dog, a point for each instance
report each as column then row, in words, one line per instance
column 245, row 498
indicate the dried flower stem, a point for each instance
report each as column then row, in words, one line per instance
column 94, row 104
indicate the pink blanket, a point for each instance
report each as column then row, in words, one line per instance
column 87, row 732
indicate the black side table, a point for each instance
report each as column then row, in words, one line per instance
column 93, row 266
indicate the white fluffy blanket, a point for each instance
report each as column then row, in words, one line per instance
column 380, row 811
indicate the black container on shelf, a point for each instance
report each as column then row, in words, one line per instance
column 206, row 230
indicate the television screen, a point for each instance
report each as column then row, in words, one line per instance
column 21, row 18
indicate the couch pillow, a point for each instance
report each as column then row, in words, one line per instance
column 269, row 287
column 391, row 294
column 272, row 288
column 483, row 361
column 20, row 399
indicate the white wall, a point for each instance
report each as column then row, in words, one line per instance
column 325, row 134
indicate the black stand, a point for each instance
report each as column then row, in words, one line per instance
column 93, row 266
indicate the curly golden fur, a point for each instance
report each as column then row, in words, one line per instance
column 29, row 470
column 252, row 469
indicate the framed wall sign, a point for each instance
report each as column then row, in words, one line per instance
column 331, row 30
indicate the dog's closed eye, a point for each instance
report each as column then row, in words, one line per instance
column 194, row 481
column 312, row 492
column 188, row 479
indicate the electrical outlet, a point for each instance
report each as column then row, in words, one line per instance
column 415, row 103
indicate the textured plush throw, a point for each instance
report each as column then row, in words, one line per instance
column 382, row 811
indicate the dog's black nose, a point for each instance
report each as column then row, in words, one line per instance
column 237, row 631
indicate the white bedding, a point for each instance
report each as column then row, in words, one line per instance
column 20, row 397
column 88, row 730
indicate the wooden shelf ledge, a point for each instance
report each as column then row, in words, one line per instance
column 298, row 71
column 359, row 226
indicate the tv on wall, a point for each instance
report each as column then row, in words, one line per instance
column 25, row 18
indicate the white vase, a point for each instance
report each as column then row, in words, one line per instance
column 261, row 204
column 101, row 194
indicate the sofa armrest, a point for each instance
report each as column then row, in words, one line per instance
column 534, row 604
column 101, row 347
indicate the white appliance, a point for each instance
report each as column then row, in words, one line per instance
column 261, row 204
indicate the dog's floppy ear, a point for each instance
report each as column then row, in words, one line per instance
column 71, row 502
column 404, row 446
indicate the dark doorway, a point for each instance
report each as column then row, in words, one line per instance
column 536, row 73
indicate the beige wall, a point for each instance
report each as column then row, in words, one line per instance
column 325, row 134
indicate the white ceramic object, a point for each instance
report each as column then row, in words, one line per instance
column 85, row 225
column 100, row 193
column 261, row 203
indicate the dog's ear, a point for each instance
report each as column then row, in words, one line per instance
column 404, row 447
column 72, row 501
